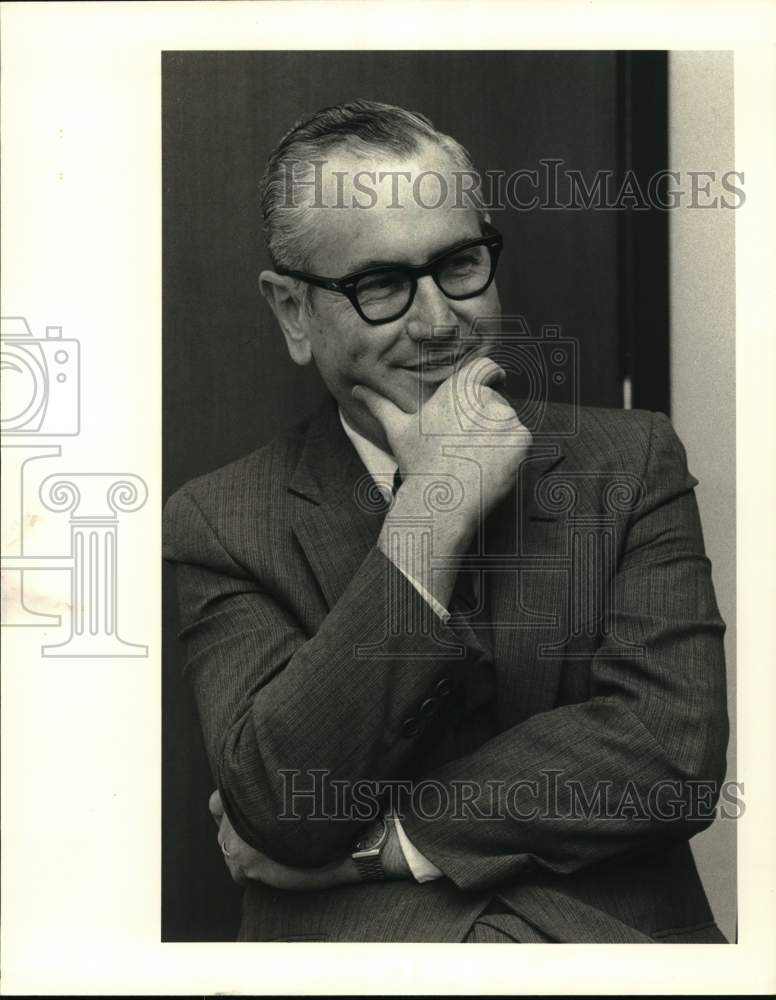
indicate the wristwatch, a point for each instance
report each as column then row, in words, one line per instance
column 368, row 850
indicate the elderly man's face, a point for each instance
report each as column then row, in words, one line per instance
column 346, row 349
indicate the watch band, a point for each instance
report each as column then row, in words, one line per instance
column 367, row 852
column 370, row 869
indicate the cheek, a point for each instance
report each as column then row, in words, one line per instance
column 366, row 346
column 357, row 351
column 484, row 306
column 347, row 345
column 489, row 302
column 344, row 354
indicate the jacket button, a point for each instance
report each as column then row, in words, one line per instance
column 410, row 727
column 444, row 687
column 428, row 708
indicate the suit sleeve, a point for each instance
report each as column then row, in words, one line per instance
column 635, row 765
column 289, row 719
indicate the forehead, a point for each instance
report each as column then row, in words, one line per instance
column 410, row 214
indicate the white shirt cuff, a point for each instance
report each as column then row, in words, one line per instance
column 422, row 869
column 439, row 610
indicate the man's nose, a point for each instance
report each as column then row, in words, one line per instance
column 431, row 309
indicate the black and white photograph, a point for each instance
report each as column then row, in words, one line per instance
column 387, row 491
column 451, row 663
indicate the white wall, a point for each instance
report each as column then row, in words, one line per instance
column 702, row 257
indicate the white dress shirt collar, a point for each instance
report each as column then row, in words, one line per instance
column 379, row 464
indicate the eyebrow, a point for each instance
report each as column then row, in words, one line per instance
column 375, row 262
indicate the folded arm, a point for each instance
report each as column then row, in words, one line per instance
column 275, row 702
column 285, row 712
column 635, row 765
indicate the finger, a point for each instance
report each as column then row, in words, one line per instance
column 499, row 378
column 475, row 380
column 382, row 409
column 482, row 371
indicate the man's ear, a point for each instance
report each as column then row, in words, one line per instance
column 286, row 303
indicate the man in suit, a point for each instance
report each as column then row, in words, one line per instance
column 459, row 671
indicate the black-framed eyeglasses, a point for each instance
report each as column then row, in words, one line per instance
column 384, row 293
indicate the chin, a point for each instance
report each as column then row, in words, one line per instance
column 410, row 391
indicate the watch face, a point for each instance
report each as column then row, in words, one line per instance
column 372, row 838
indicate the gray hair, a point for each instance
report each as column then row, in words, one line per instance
column 364, row 128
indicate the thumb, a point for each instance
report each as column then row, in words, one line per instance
column 482, row 371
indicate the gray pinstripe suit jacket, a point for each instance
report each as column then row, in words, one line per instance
column 283, row 601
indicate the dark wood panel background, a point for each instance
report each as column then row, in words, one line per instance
column 228, row 383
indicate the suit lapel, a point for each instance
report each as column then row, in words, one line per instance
column 527, row 596
column 343, row 512
column 341, row 516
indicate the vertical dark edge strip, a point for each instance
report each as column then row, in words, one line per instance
column 643, row 284
column 624, row 228
column 166, row 901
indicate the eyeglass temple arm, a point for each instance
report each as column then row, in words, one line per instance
column 313, row 279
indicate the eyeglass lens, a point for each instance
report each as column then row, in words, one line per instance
column 461, row 274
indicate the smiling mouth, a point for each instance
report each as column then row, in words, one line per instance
column 437, row 370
